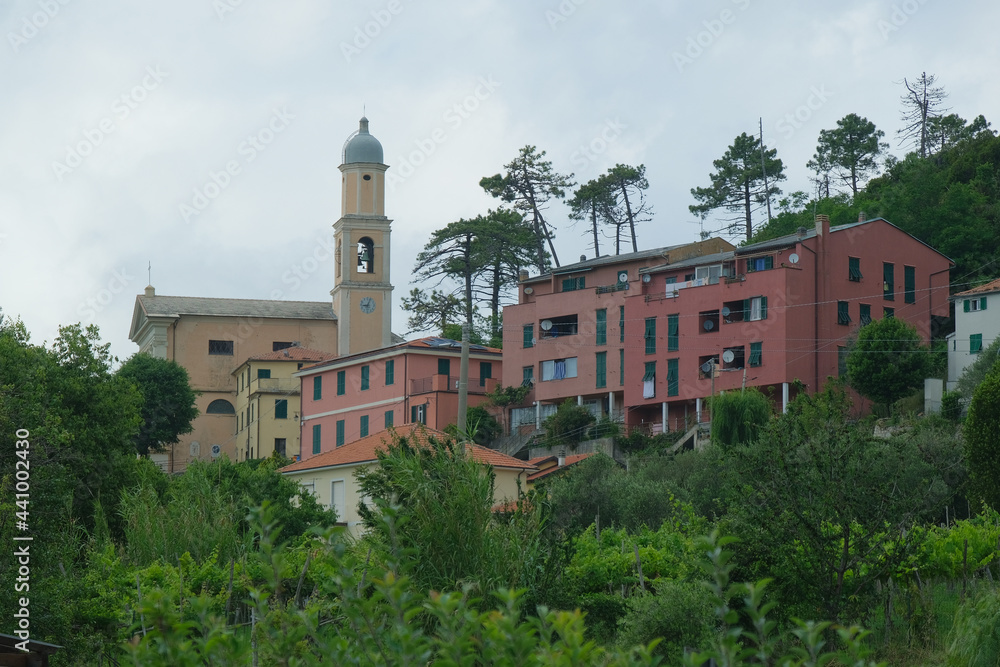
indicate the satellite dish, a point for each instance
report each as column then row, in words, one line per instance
column 728, row 356
column 546, row 325
column 706, row 367
column 646, row 278
column 793, row 258
column 528, row 290
column 709, row 325
column 726, row 311
column 216, row 450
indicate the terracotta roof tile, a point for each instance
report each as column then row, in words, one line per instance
column 988, row 288
column 570, row 460
column 364, row 450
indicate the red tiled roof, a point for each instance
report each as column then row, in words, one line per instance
column 293, row 354
column 992, row 286
column 570, row 460
column 425, row 343
column 364, row 450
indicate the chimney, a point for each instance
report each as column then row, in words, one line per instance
column 522, row 275
column 150, row 290
column 862, row 217
column 583, row 258
column 801, row 232
column 822, row 225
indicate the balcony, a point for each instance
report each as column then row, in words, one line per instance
column 449, row 384
column 275, row 386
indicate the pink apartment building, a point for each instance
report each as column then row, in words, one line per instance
column 353, row 396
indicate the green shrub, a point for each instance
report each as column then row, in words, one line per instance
column 568, row 426
column 975, row 637
column 982, row 441
column 951, row 405
column 681, row 614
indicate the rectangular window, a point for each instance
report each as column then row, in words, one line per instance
column 527, row 376
column 888, row 281
column 854, row 269
column 279, row 446
column 673, row 379
column 317, row 387
column 671, row 280
column 388, row 418
column 974, row 305
column 316, row 438
column 418, row 414
column 602, row 370
column 364, row 425
column 649, row 380
column 975, row 343
column 621, row 367
column 621, row 324
column 843, row 313
column 909, row 284
column 340, row 432
column 485, row 372
column 224, row 347
column 280, row 408
column 650, row 335
column 756, row 354
column 567, row 325
column 365, row 377
column 755, row 309
column 341, row 383
column 558, row 369
column 710, row 274
column 841, row 361
column 673, row 333
column 390, row 372
column 444, row 367
column 865, row 314
column 573, row 284
column 529, row 336
column 263, row 373
column 888, row 312
column 602, row 327
column 275, row 346
column 338, row 503
column 759, row 264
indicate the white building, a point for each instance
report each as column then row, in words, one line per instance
column 976, row 327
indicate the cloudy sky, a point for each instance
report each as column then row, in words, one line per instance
column 119, row 119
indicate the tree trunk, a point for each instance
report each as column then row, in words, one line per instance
column 467, row 258
column 746, row 207
column 593, row 224
column 631, row 221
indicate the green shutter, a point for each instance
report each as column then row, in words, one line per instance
column 982, row 303
column 444, row 367
column 364, row 425
column 602, row 369
column 340, row 433
column 763, row 307
column 280, row 408
column 769, row 262
column 843, row 313
column 888, row 312
column 965, row 305
column 756, row 354
column 341, row 383
column 673, row 381
column 621, row 367
column 650, row 374
column 263, row 373
column 621, row 324
column 529, row 335
column 390, row 372
column 364, row 377
column 865, row 314
column 650, row 335
column 854, row 269
column 975, row 343
column 909, row 284
column 485, row 372
column 602, row 327
column 746, row 310
column 388, row 418
column 316, row 438
column 527, row 376
column 673, row 333
column 888, row 279
column 317, row 387
column 568, row 284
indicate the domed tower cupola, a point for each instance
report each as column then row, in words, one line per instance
column 362, row 146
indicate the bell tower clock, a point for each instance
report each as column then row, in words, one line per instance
column 362, row 291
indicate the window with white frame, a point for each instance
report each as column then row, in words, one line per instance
column 710, row 274
column 338, row 502
column 558, row 369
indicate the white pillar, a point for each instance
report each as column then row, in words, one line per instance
column 663, row 415
column 579, row 400
column 538, row 414
column 611, row 405
column 784, row 397
column 697, row 410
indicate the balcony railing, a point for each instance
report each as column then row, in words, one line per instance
column 275, row 385
column 448, row 383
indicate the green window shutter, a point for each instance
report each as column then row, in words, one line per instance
column 485, row 372
column 364, row 425
column 650, row 335
column 746, row 310
column 341, row 383
column 390, row 372
column 280, row 408
column 769, row 262
column 365, row 370
column 316, row 438
column 529, row 336
column 756, row 354
column 340, row 433
column 621, row 367
column 581, row 282
column 982, row 303
column 602, row 327
column 888, row 312
column 975, row 343
column 568, row 284
column 444, row 367
column 621, row 324
column 650, row 372
column 866, row 314
column 527, row 376
column 602, row 369
column 843, row 313
column 888, row 280
column 317, row 387
column 965, row 305
column 388, row 418
column 263, row 373
column 673, row 333
column 909, row 284
column 854, row 269
column 763, row 307
column 673, row 381
column 413, row 414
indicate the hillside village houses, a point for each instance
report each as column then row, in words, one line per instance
column 976, row 327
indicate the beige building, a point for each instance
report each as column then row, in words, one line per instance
column 268, row 402
column 330, row 476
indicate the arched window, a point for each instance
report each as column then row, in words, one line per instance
column 366, row 255
column 220, row 406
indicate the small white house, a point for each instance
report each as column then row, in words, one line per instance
column 976, row 327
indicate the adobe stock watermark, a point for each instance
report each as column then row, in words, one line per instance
column 453, row 117
column 699, row 42
column 92, row 305
column 371, row 29
column 121, row 108
column 34, row 23
column 225, row 7
column 248, row 150
column 301, row 271
column 589, row 152
column 562, row 13
column 898, row 17
column 787, row 125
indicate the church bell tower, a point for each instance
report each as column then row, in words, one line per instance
column 362, row 292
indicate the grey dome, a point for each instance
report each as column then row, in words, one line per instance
column 362, row 146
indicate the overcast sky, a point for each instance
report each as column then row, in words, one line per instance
column 119, row 119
